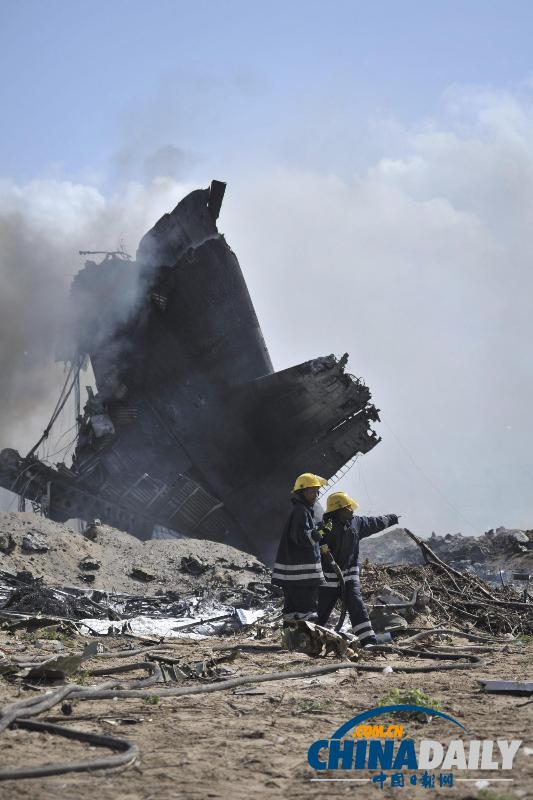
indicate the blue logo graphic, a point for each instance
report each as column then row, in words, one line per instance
column 371, row 746
column 375, row 712
column 362, row 744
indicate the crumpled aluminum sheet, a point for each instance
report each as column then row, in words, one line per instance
column 169, row 627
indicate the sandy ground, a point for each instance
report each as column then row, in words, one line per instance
column 231, row 746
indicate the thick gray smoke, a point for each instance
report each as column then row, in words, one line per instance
column 32, row 311
column 42, row 227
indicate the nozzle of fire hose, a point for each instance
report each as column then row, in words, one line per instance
column 320, row 531
column 324, row 528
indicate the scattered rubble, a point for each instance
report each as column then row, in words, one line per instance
column 495, row 556
column 180, row 579
column 459, row 598
column 460, row 602
column 36, row 598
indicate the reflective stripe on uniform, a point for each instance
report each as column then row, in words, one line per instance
column 297, row 576
column 366, row 635
column 351, row 574
column 362, row 626
column 292, row 567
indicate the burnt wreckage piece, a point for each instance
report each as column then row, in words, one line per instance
column 190, row 427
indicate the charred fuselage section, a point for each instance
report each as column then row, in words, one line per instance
column 190, row 428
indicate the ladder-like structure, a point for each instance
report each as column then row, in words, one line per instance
column 338, row 475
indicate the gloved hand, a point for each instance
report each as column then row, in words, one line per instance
column 320, row 531
column 324, row 549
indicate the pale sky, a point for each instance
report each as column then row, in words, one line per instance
column 379, row 160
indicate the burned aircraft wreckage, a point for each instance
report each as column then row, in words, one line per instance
column 190, row 427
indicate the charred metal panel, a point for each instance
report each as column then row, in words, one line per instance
column 191, row 428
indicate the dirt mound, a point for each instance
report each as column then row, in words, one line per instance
column 117, row 562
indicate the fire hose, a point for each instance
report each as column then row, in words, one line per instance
column 330, row 561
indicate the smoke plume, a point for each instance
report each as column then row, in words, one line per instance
column 42, row 227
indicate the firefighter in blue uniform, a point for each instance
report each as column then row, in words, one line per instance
column 342, row 542
column 298, row 567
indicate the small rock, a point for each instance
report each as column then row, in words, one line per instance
column 7, row 543
column 25, row 576
column 86, row 577
column 518, row 536
column 142, row 574
column 89, row 563
column 193, row 566
column 34, row 543
column 91, row 531
column 254, row 566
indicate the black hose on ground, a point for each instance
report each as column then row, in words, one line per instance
column 128, row 752
column 35, row 705
column 410, row 651
column 425, row 633
column 152, row 667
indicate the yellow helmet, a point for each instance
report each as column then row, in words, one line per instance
column 308, row 481
column 340, row 500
